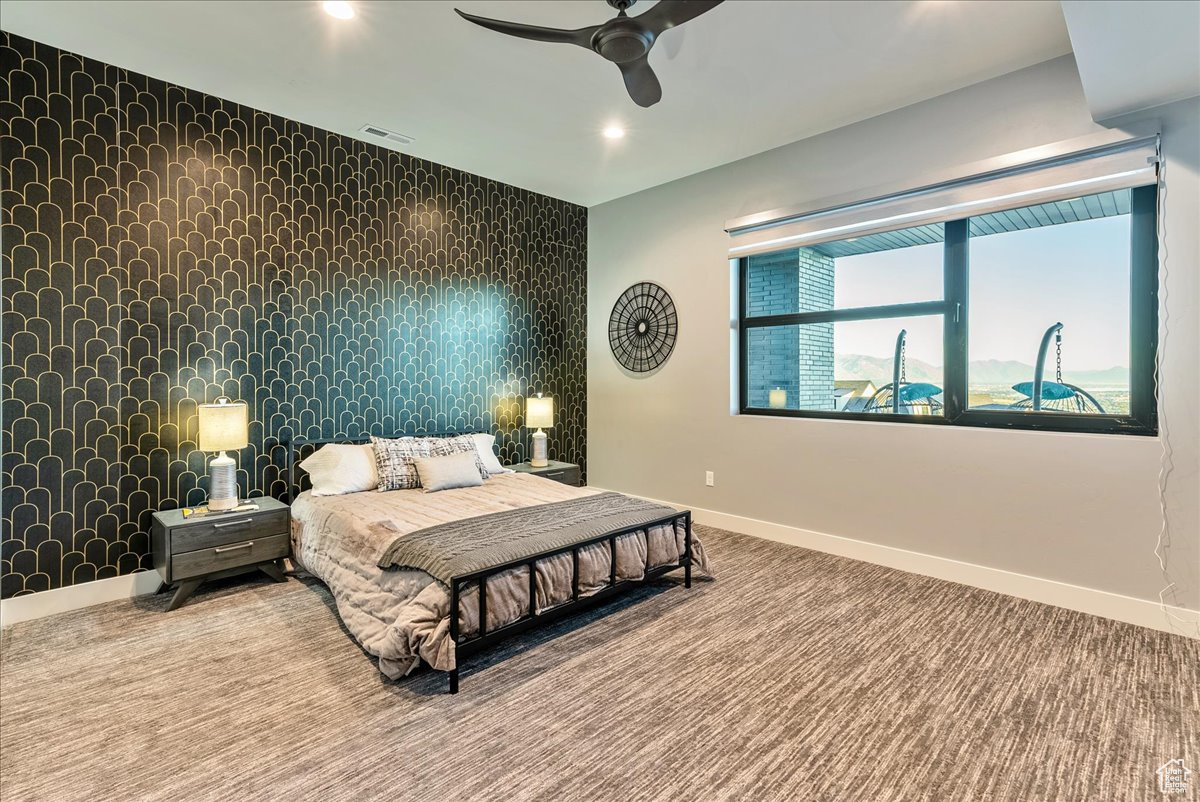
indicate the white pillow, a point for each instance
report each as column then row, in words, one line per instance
column 338, row 469
column 485, row 444
column 450, row 471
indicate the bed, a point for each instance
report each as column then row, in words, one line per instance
column 397, row 562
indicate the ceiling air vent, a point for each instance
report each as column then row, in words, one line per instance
column 383, row 133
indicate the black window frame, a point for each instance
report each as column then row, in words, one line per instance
column 1143, row 335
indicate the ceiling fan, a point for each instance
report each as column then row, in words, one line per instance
column 623, row 40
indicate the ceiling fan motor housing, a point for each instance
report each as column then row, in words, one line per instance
column 622, row 40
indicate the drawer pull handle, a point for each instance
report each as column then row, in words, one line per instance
column 554, row 475
column 228, row 524
column 222, row 549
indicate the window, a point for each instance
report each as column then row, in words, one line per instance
column 822, row 323
column 1041, row 316
column 1054, row 293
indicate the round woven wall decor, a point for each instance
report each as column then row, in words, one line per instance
column 642, row 327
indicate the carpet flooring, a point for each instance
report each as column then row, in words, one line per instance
column 795, row 675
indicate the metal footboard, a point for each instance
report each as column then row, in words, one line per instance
column 464, row 646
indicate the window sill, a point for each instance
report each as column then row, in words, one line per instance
column 1054, row 423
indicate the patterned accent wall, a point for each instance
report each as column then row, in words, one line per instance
column 162, row 247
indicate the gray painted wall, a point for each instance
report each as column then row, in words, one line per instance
column 1081, row 509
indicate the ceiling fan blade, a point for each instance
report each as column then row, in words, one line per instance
column 666, row 14
column 641, row 82
column 579, row 36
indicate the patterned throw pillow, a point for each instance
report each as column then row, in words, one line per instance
column 394, row 457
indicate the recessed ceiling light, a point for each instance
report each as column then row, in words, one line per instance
column 339, row 9
column 614, row 132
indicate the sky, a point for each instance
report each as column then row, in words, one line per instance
column 1020, row 283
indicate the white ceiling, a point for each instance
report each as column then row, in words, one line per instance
column 744, row 78
column 1135, row 56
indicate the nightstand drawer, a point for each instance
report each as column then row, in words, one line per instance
column 232, row 555
column 229, row 528
column 568, row 476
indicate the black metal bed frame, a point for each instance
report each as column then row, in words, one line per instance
column 467, row 646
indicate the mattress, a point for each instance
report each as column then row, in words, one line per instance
column 401, row 615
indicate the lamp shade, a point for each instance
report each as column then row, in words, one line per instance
column 539, row 412
column 224, row 425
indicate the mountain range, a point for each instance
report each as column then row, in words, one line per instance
column 986, row 371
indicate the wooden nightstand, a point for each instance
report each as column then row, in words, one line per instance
column 188, row 551
column 565, row 472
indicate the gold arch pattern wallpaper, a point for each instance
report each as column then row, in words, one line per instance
column 163, row 247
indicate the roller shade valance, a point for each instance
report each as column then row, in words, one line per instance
column 1111, row 166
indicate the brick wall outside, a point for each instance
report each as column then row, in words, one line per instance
column 816, row 341
column 772, row 288
column 798, row 361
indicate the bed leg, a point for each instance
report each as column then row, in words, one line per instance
column 454, row 631
column 687, row 553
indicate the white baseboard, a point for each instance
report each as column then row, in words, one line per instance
column 1141, row 612
column 73, row 597
column 1178, row 620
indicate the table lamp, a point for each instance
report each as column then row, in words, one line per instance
column 224, row 427
column 539, row 412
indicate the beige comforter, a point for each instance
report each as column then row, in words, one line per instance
column 402, row 615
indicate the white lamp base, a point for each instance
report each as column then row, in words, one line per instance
column 222, row 483
column 539, row 450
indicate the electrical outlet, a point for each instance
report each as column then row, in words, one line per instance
column 708, row 478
